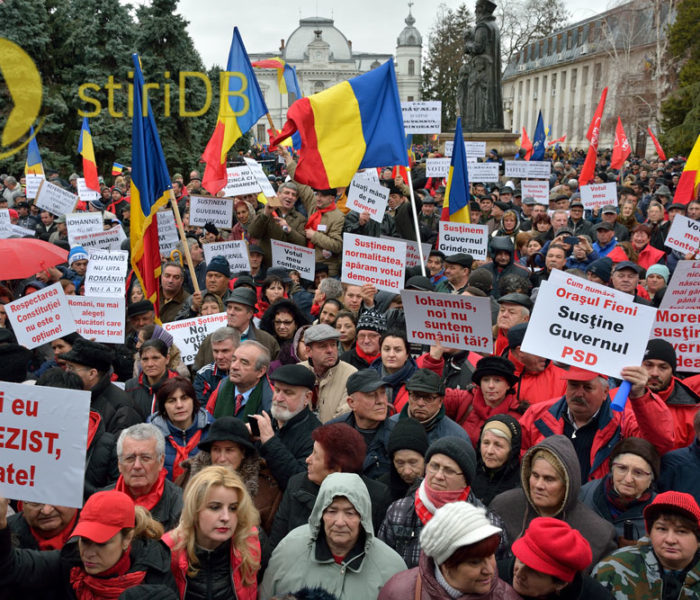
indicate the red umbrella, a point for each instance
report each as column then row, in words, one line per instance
column 24, row 257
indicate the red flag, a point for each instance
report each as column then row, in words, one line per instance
column 659, row 149
column 593, row 134
column 621, row 149
column 526, row 144
column 560, row 140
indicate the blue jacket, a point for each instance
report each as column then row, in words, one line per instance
column 679, row 471
column 377, row 460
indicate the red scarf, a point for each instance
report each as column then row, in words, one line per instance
column 109, row 585
column 183, row 452
column 148, row 500
column 436, row 499
column 315, row 310
column 368, row 358
column 315, row 220
column 93, row 424
column 57, row 541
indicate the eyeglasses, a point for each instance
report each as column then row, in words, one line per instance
column 420, row 397
column 435, row 468
column 145, row 459
column 624, row 469
column 285, row 323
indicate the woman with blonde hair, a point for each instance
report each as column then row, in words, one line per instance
column 216, row 546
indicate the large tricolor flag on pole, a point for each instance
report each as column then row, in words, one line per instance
column 455, row 207
column 33, row 164
column 588, row 170
column 687, row 188
column 241, row 104
column 353, row 125
column 150, row 190
column 87, row 151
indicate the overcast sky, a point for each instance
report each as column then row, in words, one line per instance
column 371, row 25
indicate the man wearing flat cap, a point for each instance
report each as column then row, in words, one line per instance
column 513, row 309
column 457, row 269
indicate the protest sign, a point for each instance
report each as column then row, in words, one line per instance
column 43, row 439
column 15, row 231
column 681, row 328
column 82, row 223
column 412, row 255
column 41, row 316
column 365, row 196
column 473, row 150
column 5, row 223
column 455, row 321
column 167, row 232
column 537, row 189
column 55, row 199
column 464, row 237
column 110, row 239
column 422, row 117
column 189, row 334
column 368, row 174
column 367, row 260
column 684, row 235
column 99, row 318
column 483, row 172
column 437, row 167
column 31, row 187
column 528, row 169
column 598, row 195
column 294, row 258
column 235, row 252
column 580, row 323
column 241, row 180
column 85, row 193
column 106, row 273
column 257, row 171
column 683, row 290
column 218, row 211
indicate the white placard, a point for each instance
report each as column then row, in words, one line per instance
column 365, row 196
column 577, row 322
column 464, row 237
column 168, row 237
column 379, row 262
column 537, row 189
column 5, row 224
column 85, row 193
column 235, row 252
column 455, row 321
column 41, row 316
column 110, row 239
column 473, row 150
column 55, row 199
column 189, row 334
column 99, row 318
column 683, row 289
column 680, row 327
column 15, row 231
column 32, row 181
column 44, row 443
column 684, row 235
column 241, row 180
column 294, row 258
column 483, row 172
column 368, row 174
column 528, row 169
column 262, row 179
column 422, row 117
column 81, row 223
column 412, row 255
column 598, row 195
column 106, row 273
column 437, row 167
column 218, row 211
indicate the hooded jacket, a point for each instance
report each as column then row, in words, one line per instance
column 303, row 557
column 503, row 243
column 517, row 508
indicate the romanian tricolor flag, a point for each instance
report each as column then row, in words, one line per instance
column 150, row 191
column 353, row 125
column 274, row 63
column 687, row 188
column 455, row 207
column 290, row 77
column 33, row 164
column 86, row 149
column 117, row 169
column 241, row 104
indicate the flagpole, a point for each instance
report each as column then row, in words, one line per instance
column 183, row 239
column 415, row 221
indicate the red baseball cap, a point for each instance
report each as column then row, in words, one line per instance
column 578, row 374
column 104, row 515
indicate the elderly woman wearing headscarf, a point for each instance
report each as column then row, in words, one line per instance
column 497, row 458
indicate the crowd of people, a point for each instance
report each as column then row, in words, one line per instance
column 311, row 451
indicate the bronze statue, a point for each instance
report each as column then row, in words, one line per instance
column 479, row 92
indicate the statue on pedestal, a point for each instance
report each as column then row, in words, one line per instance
column 479, row 90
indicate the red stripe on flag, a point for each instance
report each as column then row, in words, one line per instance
column 215, row 177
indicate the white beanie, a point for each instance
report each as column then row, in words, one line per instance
column 454, row 525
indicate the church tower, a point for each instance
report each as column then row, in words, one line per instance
column 409, row 45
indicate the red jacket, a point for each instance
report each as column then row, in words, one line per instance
column 649, row 256
column 468, row 408
column 534, row 388
column 647, row 417
column 683, row 402
column 179, row 564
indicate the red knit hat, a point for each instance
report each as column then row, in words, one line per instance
column 552, row 547
column 673, row 502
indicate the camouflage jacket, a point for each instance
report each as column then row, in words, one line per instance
column 634, row 572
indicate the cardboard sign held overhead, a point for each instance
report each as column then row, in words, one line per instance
column 597, row 195
column 528, row 169
column 99, row 318
column 106, row 273
column 168, row 237
column 189, row 334
column 257, row 171
column 294, row 258
column 379, row 262
column 241, row 180
column 422, row 117
column 82, row 223
column 55, row 199
column 437, row 167
column 465, row 238
column 235, row 252
column 684, row 235
column 32, row 183
column 683, row 289
column 365, row 196
column 483, row 172
column 218, row 211
column 537, row 189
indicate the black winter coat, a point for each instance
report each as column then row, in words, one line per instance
column 100, row 461
column 167, row 511
column 115, row 407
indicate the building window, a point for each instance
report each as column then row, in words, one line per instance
column 318, row 87
column 584, row 77
column 597, row 74
column 411, row 67
column 554, row 81
column 569, row 40
column 544, row 84
column 579, row 41
column 563, row 82
column 260, row 130
column 559, row 38
column 541, row 54
column 574, row 77
column 409, row 99
column 551, row 46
